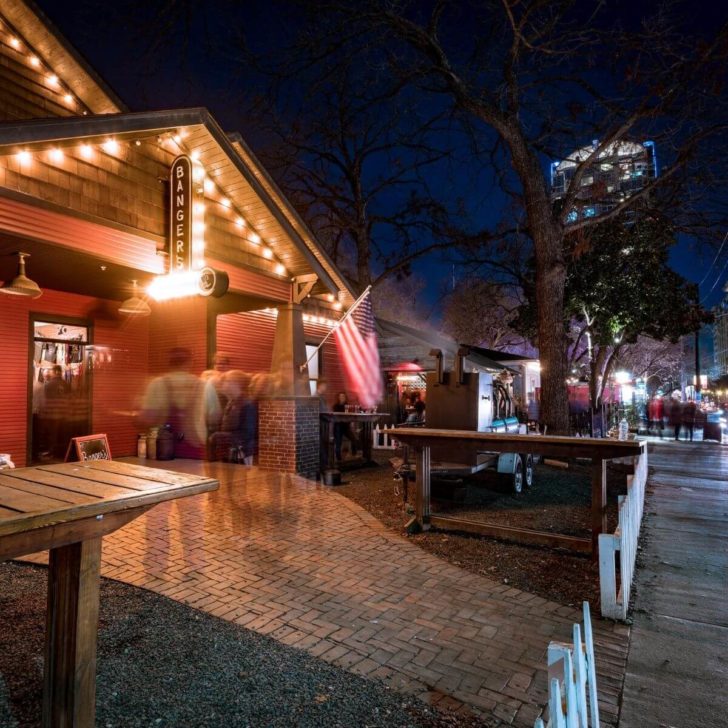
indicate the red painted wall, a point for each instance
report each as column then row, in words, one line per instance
column 248, row 339
column 117, row 381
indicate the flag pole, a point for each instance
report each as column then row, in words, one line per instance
column 350, row 311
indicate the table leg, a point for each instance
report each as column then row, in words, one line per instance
column 598, row 504
column 366, row 445
column 69, row 680
column 422, row 502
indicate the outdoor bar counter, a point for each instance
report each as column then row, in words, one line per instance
column 329, row 419
column 68, row 508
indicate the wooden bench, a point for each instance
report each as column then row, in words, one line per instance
column 68, row 508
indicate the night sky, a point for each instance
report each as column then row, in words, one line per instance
column 197, row 73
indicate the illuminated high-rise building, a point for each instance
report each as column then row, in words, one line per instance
column 618, row 171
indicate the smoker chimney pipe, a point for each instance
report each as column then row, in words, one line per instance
column 437, row 353
column 463, row 351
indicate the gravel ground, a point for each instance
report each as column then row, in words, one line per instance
column 559, row 502
column 161, row 663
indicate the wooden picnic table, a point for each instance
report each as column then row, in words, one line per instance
column 328, row 419
column 466, row 445
column 68, row 508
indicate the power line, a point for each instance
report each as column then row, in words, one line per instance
column 720, row 275
column 717, row 255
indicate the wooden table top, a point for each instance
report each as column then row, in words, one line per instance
column 605, row 448
column 352, row 416
column 49, row 495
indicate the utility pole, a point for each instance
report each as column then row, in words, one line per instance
column 697, row 347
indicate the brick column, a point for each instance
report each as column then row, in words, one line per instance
column 288, row 434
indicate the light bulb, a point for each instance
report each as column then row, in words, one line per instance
column 86, row 151
column 56, row 155
column 225, row 202
column 111, row 146
column 281, row 269
column 240, row 222
column 254, row 238
column 15, row 43
column 24, row 157
column 53, row 79
column 68, row 98
column 34, row 61
column 209, row 186
column 267, row 253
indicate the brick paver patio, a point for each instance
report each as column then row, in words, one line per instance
column 286, row 557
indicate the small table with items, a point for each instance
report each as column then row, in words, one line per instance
column 366, row 421
column 68, row 508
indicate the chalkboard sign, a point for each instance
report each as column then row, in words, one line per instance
column 89, row 447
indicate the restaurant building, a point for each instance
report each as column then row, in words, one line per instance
column 106, row 203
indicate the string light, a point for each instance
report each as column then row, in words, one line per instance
column 35, row 61
column 15, row 43
column 68, row 98
column 53, row 80
column 111, row 146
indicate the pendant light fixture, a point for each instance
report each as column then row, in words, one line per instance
column 21, row 285
column 135, row 306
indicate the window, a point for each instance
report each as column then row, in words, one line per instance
column 313, row 357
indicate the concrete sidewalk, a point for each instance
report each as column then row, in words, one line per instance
column 677, row 669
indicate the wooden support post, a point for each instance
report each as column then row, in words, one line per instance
column 69, row 680
column 598, row 504
column 422, row 502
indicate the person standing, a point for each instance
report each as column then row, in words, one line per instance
column 656, row 412
column 688, row 418
column 674, row 416
column 343, row 429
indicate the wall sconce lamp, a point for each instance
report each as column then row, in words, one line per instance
column 21, row 285
column 135, row 306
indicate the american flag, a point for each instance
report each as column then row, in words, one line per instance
column 358, row 345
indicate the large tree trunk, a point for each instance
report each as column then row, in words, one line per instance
column 552, row 347
column 547, row 236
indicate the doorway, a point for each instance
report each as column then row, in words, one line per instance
column 61, row 387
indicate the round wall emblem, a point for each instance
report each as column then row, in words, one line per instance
column 213, row 282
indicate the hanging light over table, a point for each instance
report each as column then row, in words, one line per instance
column 21, row 285
column 135, row 306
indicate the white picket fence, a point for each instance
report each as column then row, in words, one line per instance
column 381, row 440
column 573, row 699
column 615, row 597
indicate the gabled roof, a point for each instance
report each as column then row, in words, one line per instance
column 44, row 38
column 501, row 356
column 484, row 358
column 235, row 171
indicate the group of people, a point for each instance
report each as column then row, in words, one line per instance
column 412, row 408
column 680, row 416
column 214, row 414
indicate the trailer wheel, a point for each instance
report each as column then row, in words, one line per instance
column 527, row 470
column 517, row 477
